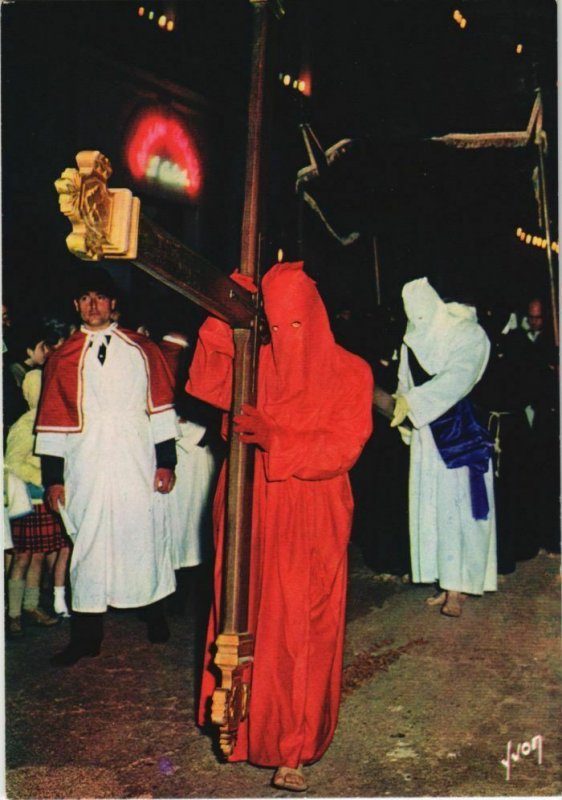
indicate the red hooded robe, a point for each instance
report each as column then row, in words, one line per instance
column 318, row 398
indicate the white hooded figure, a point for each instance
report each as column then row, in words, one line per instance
column 447, row 544
column 187, row 508
column 188, row 504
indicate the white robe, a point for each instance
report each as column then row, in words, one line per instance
column 188, row 504
column 121, row 555
column 446, row 544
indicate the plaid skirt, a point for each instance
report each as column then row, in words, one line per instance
column 39, row 532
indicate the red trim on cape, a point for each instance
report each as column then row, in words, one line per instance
column 60, row 408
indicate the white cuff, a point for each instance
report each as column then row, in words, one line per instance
column 165, row 426
column 191, row 435
column 50, row 444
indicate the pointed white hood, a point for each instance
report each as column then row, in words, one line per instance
column 431, row 323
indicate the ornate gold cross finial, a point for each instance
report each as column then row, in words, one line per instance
column 231, row 699
column 104, row 221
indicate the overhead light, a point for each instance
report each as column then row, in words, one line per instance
column 170, row 25
column 162, row 21
column 536, row 241
column 519, row 49
column 141, row 11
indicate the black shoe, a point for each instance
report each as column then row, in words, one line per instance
column 175, row 607
column 14, row 628
column 73, row 653
column 157, row 630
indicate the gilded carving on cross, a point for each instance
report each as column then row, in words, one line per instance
column 104, row 221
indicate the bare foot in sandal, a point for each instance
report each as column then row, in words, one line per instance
column 290, row 779
column 453, row 604
column 436, row 599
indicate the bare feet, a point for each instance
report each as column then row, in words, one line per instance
column 436, row 599
column 452, row 606
column 290, row 778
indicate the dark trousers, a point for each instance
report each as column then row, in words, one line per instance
column 86, row 630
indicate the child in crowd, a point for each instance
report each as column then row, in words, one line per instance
column 35, row 534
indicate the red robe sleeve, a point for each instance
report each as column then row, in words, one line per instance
column 210, row 374
column 334, row 447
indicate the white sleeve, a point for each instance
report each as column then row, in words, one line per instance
column 465, row 365
column 165, row 426
column 404, row 380
column 50, row 444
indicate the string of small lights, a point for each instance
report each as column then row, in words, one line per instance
column 163, row 22
column 295, row 83
column 459, row 19
column 536, row 241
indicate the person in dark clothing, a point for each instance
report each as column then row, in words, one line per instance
column 534, row 354
column 380, row 525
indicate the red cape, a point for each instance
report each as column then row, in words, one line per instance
column 60, row 409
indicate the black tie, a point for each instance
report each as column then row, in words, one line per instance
column 103, row 350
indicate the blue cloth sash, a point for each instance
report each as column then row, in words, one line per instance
column 463, row 442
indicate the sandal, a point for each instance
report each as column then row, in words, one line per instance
column 453, row 604
column 290, row 779
column 436, row 599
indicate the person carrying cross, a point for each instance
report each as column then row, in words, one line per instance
column 313, row 416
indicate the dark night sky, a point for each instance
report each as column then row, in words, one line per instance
column 388, row 73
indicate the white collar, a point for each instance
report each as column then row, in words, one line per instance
column 94, row 335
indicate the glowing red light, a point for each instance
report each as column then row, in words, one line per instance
column 160, row 149
column 305, row 82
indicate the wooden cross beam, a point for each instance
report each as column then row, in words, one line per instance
column 106, row 223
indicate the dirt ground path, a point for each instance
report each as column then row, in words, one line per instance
column 431, row 705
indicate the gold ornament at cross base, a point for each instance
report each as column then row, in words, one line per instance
column 105, row 222
column 230, row 701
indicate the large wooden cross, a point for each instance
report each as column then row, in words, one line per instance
column 107, row 223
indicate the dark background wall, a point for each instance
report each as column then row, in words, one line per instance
column 389, row 75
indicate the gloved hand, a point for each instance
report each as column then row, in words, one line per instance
column 244, row 281
column 254, row 427
column 405, row 434
column 401, row 409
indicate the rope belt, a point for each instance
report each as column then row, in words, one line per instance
column 494, row 420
